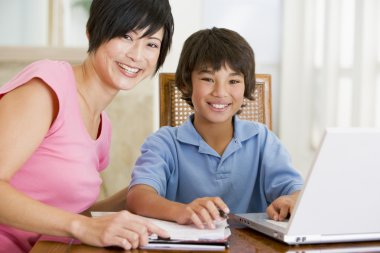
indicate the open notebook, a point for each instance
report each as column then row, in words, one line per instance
column 186, row 237
column 340, row 198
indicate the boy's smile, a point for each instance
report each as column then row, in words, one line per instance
column 217, row 95
column 219, row 106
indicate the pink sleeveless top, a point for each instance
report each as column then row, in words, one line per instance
column 64, row 170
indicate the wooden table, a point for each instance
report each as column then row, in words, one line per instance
column 242, row 240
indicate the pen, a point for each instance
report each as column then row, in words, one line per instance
column 223, row 214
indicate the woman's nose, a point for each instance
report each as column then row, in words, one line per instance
column 135, row 52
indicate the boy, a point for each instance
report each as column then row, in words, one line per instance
column 214, row 161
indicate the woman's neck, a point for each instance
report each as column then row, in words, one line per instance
column 91, row 90
column 93, row 97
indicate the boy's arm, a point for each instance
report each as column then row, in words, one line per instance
column 145, row 201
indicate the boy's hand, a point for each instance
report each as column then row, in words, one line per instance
column 282, row 207
column 203, row 211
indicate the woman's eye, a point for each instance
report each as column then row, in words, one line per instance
column 128, row 37
column 153, row 45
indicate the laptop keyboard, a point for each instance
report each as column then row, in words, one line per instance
column 283, row 224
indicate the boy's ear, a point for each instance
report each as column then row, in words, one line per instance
column 183, row 88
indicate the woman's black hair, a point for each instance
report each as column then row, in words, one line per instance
column 115, row 18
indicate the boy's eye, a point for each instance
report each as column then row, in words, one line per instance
column 234, row 81
column 207, row 79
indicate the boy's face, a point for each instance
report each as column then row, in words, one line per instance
column 217, row 95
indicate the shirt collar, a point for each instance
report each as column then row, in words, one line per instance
column 243, row 131
column 187, row 133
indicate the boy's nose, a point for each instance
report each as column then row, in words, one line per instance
column 219, row 90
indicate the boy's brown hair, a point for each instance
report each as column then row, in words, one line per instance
column 215, row 48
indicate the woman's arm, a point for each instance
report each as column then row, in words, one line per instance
column 26, row 115
column 114, row 203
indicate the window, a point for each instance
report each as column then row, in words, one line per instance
column 330, row 71
column 44, row 23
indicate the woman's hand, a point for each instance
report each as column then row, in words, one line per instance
column 121, row 229
column 203, row 211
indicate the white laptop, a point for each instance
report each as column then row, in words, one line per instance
column 340, row 201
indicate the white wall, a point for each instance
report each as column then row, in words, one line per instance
column 187, row 19
column 260, row 23
column 23, row 22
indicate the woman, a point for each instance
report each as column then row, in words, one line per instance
column 55, row 135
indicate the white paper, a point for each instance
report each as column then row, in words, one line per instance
column 191, row 232
column 186, row 232
column 197, row 247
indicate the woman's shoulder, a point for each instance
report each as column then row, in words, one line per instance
column 46, row 66
column 51, row 69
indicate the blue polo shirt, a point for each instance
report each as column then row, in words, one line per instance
column 254, row 169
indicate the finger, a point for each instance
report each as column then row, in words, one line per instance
column 195, row 219
column 206, row 217
column 284, row 212
column 272, row 213
column 213, row 210
column 157, row 230
column 221, row 205
column 137, row 226
column 134, row 230
column 123, row 243
column 291, row 207
column 131, row 237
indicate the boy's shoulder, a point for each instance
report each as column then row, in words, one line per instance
column 165, row 132
column 185, row 133
column 248, row 128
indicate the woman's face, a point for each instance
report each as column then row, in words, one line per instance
column 123, row 62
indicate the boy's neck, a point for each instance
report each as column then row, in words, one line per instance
column 216, row 135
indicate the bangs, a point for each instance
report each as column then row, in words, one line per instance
column 217, row 55
column 153, row 20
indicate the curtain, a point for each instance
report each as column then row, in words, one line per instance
column 330, row 71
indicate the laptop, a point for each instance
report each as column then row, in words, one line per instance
column 340, row 200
